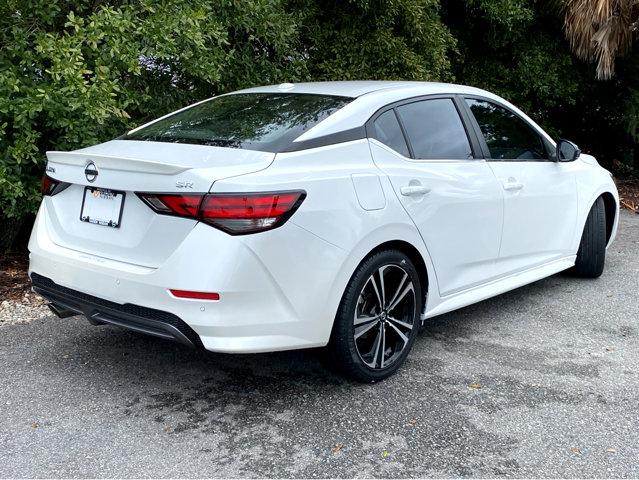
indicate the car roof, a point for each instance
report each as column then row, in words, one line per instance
column 372, row 95
column 357, row 88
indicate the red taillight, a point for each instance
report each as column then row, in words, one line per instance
column 235, row 213
column 48, row 184
column 249, row 212
column 170, row 204
column 195, row 295
column 51, row 186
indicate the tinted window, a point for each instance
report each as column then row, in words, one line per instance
column 435, row 130
column 253, row 121
column 507, row 135
column 387, row 130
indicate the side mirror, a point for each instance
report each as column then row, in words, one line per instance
column 567, row 151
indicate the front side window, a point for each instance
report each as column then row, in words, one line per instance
column 435, row 130
column 507, row 136
column 254, row 121
column 386, row 129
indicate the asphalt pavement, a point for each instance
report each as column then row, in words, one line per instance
column 539, row 382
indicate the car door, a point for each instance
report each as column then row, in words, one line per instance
column 540, row 195
column 453, row 198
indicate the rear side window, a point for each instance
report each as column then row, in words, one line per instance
column 435, row 130
column 507, row 136
column 254, row 121
column 386, row 129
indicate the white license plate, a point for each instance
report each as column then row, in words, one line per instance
column 102, row 207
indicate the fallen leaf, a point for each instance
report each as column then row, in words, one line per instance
column 411, row 422
column 337, row 447
column 385, row 454
column 575, row 450
column 475, row 386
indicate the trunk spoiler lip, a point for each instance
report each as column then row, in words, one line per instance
column 115, row 162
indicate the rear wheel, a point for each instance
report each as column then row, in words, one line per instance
column 378, row 318
column 591, row 255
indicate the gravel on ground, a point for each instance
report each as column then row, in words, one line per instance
column 18, row 303
column 22, row 310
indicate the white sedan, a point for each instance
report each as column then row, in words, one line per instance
column 338, row 215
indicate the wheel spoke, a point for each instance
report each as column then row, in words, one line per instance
column 381, row 282
column 381, row 361
column 408, row 288
column 399, row 288
column 379, row 298
column 399, row 332
column 359, row 331
column 400, row 322
column 362, row 320
column 376, row 348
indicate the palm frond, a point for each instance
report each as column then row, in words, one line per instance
column 601, row 30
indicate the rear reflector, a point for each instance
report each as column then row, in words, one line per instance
column 234, row 213
column 195, row 295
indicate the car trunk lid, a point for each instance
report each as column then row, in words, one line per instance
column 142, row 237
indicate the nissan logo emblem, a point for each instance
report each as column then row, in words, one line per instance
column 91, row 172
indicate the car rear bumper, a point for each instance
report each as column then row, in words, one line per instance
column 133, row 317
column 274, row 288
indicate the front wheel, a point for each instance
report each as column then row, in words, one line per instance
column 378, row 318
column 591, row 255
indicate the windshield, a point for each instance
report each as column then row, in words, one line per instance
column 254, row 121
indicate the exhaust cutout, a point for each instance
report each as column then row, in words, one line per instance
column 61, row 311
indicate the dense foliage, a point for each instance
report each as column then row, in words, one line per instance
column 374, row 39
column 74, row 73
column 517, row 49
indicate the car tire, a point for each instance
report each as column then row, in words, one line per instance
column 378, row 318
column 591, row 255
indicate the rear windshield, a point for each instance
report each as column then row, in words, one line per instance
column 266, row 122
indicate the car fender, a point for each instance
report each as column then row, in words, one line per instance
column 404, row 232
column 592, row 182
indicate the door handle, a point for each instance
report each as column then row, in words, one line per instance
column 414, row 190
column 513, row 186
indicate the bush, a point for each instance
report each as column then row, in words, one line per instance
column 375, row 39
column 76, row 73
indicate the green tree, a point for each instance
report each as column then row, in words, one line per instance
column 517, row 49
column 375, row 39
column 77, row 73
